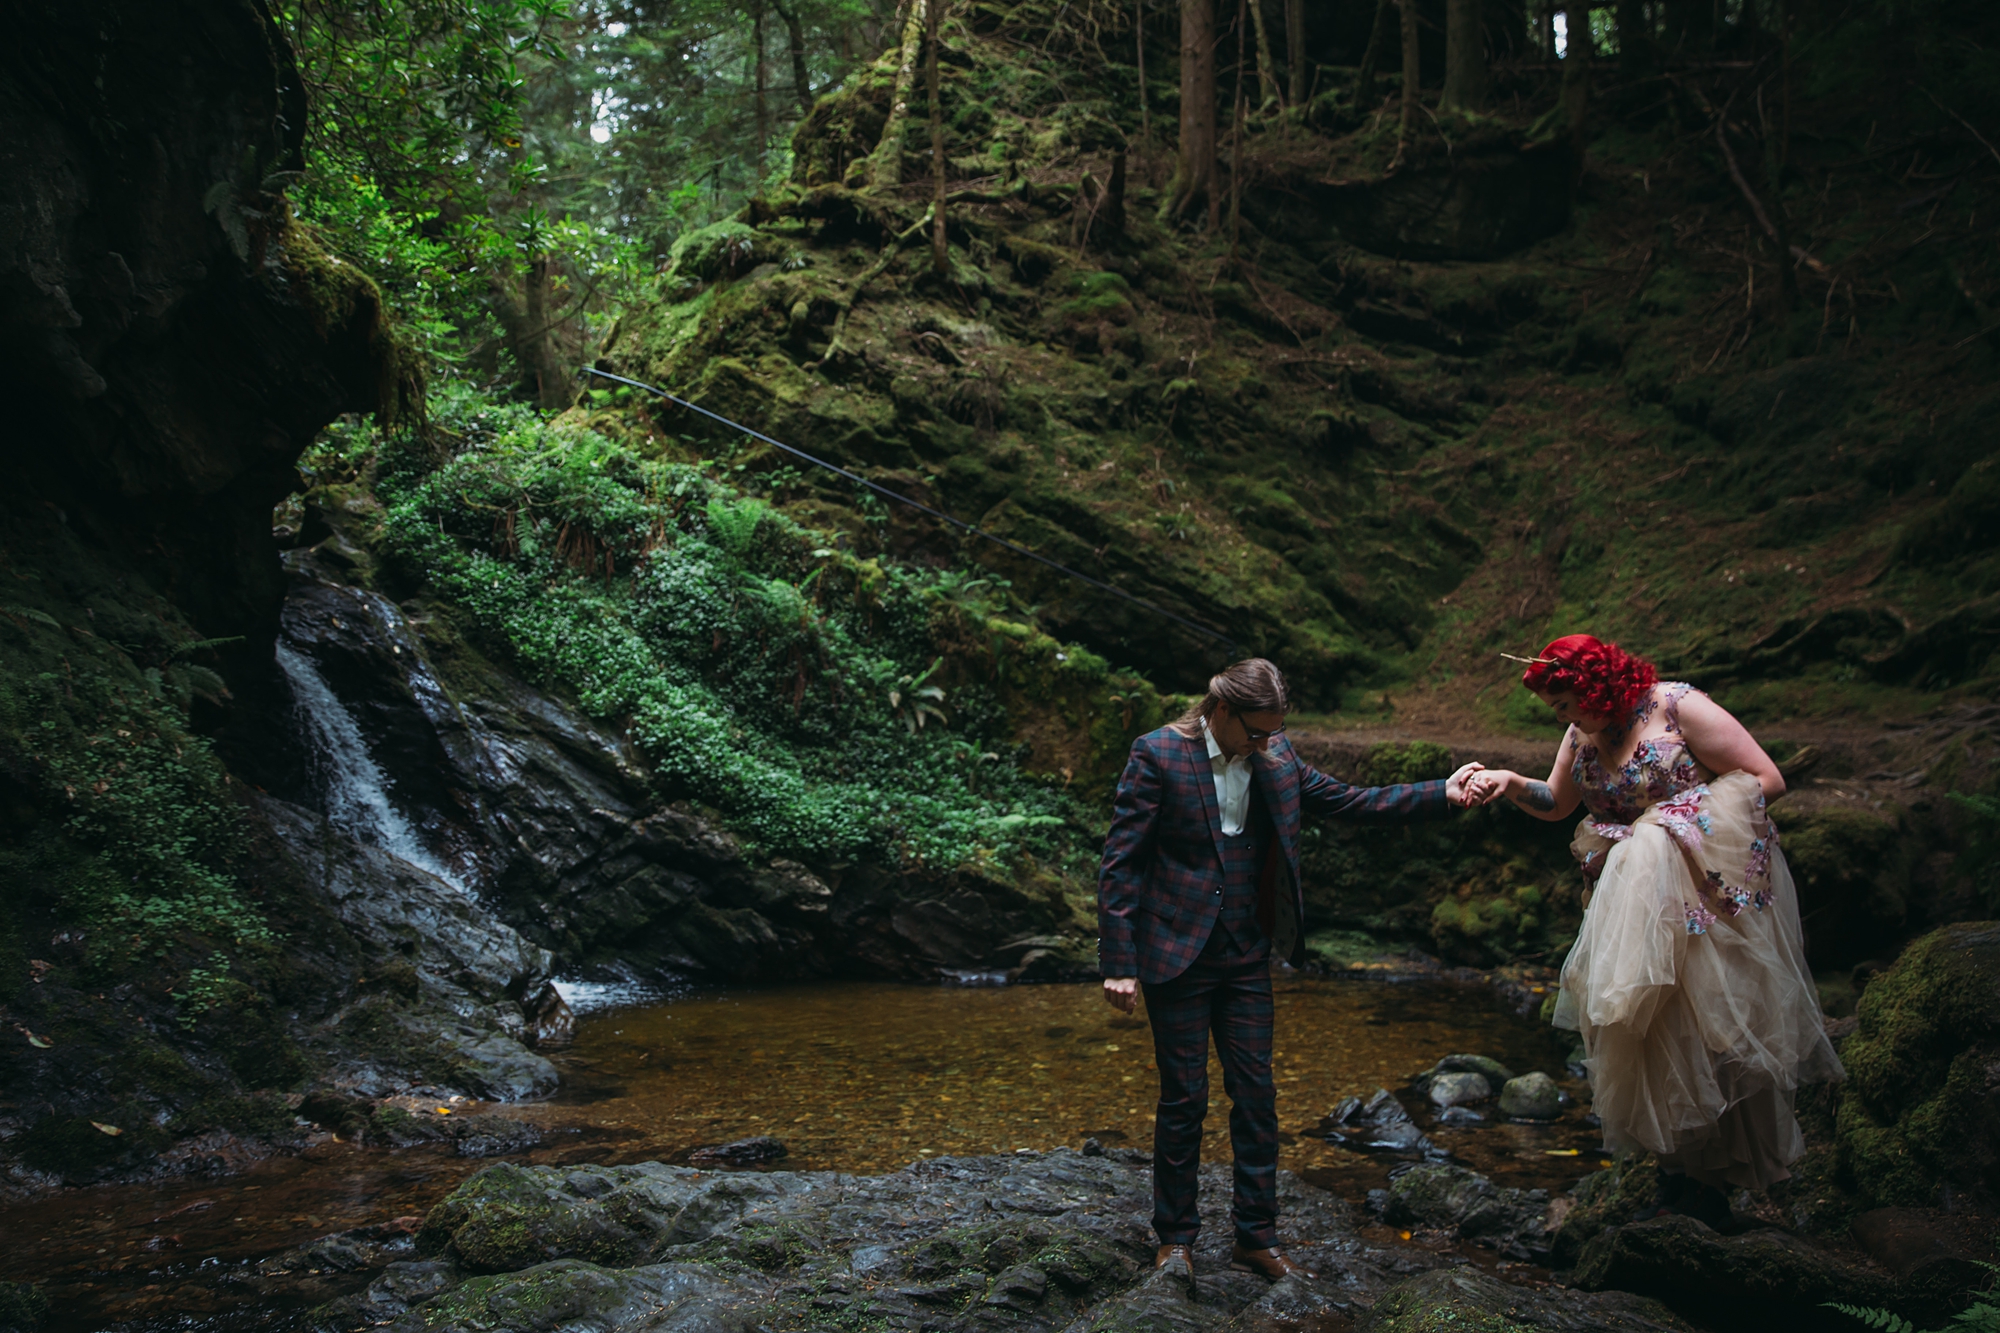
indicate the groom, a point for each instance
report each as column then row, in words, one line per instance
column 1198, row 890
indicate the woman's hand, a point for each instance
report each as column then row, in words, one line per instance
column 1460, row 787
column 1122, row 993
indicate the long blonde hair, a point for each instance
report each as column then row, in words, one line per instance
column 1253, row 685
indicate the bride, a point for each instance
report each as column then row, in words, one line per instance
column 1688, row 981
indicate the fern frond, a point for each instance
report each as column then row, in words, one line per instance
column 1888, row 1321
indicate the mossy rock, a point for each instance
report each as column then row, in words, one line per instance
column 722, row 250
column 569, row 1294
column 1603, row 1199
column 1920, row 1111
column 1853, row 864
column 1465, row 1300
column 23, row 1307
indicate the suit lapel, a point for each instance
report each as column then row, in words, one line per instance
column 1284, row 815
column 1203, row 772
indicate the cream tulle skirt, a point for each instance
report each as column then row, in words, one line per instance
column 1688, row 984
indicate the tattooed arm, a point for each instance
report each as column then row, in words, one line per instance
column 1551, row 799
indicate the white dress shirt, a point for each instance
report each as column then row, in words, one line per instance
column 1232, row 784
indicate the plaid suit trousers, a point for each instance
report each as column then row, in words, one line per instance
column 1231, row 997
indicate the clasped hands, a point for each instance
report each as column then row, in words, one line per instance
column 1475, row 784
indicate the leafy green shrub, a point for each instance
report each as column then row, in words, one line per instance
column 782, row 682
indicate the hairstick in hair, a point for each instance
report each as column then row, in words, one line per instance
column 1532, row 661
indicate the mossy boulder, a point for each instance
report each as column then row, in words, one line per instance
column 23, row 1307
column 1919, row 1116
column 1601, row 1200
column 572, row 1295
column 1853, row 862
column 1452, row 1198
column 723, row 250
column 1466, row 1300
column 1761, row 1280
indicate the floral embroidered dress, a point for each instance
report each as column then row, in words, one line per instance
column 1688, row 981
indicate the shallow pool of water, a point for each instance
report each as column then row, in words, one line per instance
column 849, row 1076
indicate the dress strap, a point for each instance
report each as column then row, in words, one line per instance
column 1671, row 714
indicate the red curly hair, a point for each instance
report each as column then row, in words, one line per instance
column 1607, row 680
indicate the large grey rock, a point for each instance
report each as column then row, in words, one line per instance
column 578, row 1297
column 1531, row 1097
column 1454, row 1300
column 1379, row 1124
column 1458, row 1089
column 1445, row 1197
column 1040, row 1241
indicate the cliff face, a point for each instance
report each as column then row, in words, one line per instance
column 168, row 343
column 171, row 964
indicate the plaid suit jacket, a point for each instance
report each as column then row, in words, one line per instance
column 1156, row 888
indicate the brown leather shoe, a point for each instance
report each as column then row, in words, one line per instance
column 1169, row 1253
column 1273, row 1263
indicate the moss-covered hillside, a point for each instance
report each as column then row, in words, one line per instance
column 1378, row 468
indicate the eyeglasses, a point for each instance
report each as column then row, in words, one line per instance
column 1254, row 735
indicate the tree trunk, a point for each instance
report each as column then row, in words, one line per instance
column 1194, row 174
column 940, row 261
column 1577, row 60
column 1267, row 68
column 763, row 80
column 1236, row 142
column 1545, row 29
column 525, row 320
column 1635, row 37
column 1464, row 56
column 1412, row 78
column 885, row 168
column 1145, row 105
column 1371, row 59
column 1295, row 48
column 795, row 33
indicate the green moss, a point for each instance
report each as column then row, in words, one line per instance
column 1911, row 1114
column 23, row 1307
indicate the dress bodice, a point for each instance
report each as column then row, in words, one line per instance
column 1661, row 767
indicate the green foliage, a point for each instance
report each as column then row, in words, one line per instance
column 137, row 851
column 1982, row 852
column 23, row 1307
column 1388, row 763
column 1979, row 1317
column 761, row 671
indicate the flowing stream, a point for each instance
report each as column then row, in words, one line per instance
column 352, row 784
column 851, row 1076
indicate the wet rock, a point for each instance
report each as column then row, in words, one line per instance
column 1448, row 1300
column 1602, row 1199
column 1460, row 1115
column 1919, row 1116
column 1457, row 1089
column 579, row 1297
column 493, row 1136
column 401, row 1285
column 1038, row 1241
column 1444, row 1197
column 1495, row 1073
column 742, row 1152
column 1531, row 1097
column 1379, row 1124
column 1762, row 1280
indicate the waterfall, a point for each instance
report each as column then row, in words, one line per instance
column 355, row 789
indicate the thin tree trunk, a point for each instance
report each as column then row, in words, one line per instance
column 1777, row 151
column 1194, row 174
column 940, row 260
column 1577, row 59
column 1267, row 68
column 1236, row 142
column 1412, row 79
column 1545, row 28
column 885, row 168
column 763, row 77
column 525, row 320
column 1635, row 37
column 1464, row 56
column 1145, row 103
column 1371, row 59
column 1295, row 48
column 795, row 34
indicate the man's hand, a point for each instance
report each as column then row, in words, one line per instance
column 1122, row 993
column 1463, row 791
